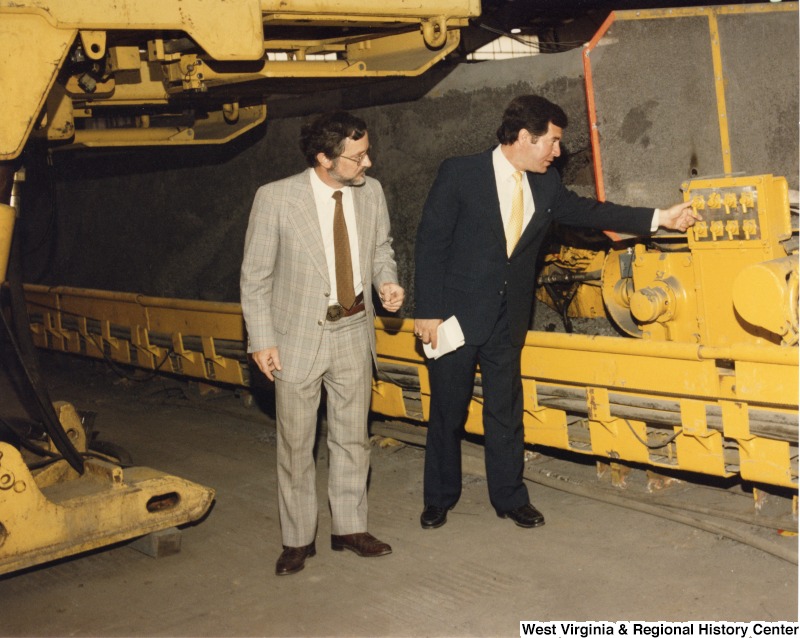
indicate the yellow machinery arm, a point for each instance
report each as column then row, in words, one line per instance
column 52, row 512
column 98, row 74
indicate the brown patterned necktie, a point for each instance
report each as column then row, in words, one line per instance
column 344, row 262
column 514, row 229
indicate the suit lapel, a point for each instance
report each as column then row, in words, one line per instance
column 364, row 221
column 490, row 201
column 306, row 221
column 540, row 215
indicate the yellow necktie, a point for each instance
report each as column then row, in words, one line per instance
column 345, row 292
column 514, row 229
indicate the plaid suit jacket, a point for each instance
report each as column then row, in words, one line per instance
column 285, row 287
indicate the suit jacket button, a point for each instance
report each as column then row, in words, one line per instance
column 327, row 294
column 319, row 323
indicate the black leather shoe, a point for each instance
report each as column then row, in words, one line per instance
column 524, row 516
column 364, row 544
column 433, row 517
column 293, row 559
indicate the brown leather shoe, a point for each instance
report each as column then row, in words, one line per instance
column 293, row 559
column 363, row 544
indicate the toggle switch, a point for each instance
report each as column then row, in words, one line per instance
column 700, row 230
column 730, row 202
column 698, row 203
column 732, row 228
column 750, row 228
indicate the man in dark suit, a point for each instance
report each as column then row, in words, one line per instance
column 476, row 250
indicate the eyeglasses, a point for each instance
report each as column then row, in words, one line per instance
column 358, row 159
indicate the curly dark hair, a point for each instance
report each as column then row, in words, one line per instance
column 531, row 112
column 327, row 134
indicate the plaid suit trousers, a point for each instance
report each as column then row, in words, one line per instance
column 343, row 365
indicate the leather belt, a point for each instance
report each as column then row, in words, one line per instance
column 336, row 312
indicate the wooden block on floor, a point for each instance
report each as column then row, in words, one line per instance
column 165, row 542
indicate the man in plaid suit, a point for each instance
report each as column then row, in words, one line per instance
column 304, row 332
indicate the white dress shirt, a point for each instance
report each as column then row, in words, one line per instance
column 323, row 196
column 504, row 179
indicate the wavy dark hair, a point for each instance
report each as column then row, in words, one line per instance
column 531, row 112
column 327, row 134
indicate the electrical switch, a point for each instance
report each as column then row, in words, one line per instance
column 750, row 228
column 746, row 200
column 730, row 202
column 700, row 230
column 698, row 203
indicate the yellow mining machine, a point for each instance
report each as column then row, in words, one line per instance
column 700, row 374
column 138, row 72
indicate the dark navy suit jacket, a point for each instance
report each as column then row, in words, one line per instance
column 461, row 264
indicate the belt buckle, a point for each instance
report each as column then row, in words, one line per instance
column 335, row 312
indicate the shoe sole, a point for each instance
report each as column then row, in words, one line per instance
column 341, row 548
column 437, row 525
column 294, row 571
column 520, row 524
column 433, row 525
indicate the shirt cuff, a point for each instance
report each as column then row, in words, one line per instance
column 654, row 221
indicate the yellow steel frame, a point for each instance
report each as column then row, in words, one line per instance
column 53, row 512
column 106, row 505
column 117, row 325
column 139, row 317
column 688, row 374
column 214, row 129
column 8, row 217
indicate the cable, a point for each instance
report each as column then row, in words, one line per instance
column 568, row 485
column 547, row 47
column 577, row 488
column 652, row 446
column 27, row 363
column 117, row 370
column 99, row 346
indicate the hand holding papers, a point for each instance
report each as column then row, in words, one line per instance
column 448, row 338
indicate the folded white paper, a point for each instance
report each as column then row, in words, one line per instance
column 449, row 337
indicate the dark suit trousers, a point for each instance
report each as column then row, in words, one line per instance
column 452, row 377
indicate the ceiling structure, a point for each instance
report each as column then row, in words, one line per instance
column 82, row 73
column 558, row 24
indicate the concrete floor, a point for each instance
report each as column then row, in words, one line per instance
column 476, row 576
